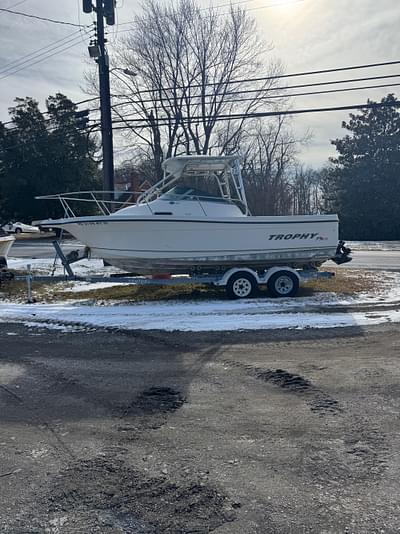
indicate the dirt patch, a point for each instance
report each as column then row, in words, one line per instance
column 150, row 409
column 107, row 496
column 319, row 401
column 284, row 379
column 154, row 401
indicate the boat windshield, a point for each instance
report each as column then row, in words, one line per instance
column 185, row 192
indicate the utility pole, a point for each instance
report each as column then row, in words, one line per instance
column 97, row 49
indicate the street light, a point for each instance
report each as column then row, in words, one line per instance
column 128, row 72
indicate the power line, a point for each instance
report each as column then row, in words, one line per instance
column 56, row 50
column 291, row 75
column 279, row 76
column 92, row 99
column 255, row 99
column 262, row 90
column 45, row 19
column 261, row 114
column 313, row 72
column 16, row 62
column 377, row 105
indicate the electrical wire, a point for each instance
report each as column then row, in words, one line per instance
column 96, row 127
column 45, row 19
column 92, row 99
column 291, row 75
column 255, row 99
column 16, row 62
column 282, row 76
column 273, row 96
column 261, row 114
column 79, row 20
column 252, row 91
column 56, row 50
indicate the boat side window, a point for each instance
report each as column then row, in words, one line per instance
column 182, row 192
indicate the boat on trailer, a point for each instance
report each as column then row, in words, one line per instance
column 176, row 227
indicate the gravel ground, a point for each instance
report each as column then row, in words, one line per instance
column 231, row 433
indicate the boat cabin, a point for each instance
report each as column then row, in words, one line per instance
column 221, row 175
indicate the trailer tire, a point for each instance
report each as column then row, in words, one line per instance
column 283, row 284
column 241, row 285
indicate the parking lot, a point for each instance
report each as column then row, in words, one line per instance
column 258, row 432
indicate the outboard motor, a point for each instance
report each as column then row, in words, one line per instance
column 342, row 254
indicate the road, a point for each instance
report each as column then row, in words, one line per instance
column 156, row 433
column 388, row 260
column 362, row 259
column 40, row 248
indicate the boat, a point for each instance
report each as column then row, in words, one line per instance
column 6, row 242
column 175, row 227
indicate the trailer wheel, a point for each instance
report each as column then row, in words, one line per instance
column 283, row 284
column 241, row 285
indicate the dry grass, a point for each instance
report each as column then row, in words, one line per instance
column 147, row 293
column 345, row 282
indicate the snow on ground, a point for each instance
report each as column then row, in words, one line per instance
column 45, row 266
column 323, row 310
column 191, row 316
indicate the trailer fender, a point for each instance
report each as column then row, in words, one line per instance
column 224, row 280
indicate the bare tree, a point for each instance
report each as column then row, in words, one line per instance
column 191, row 65
column 269, row 158
column 305, row 190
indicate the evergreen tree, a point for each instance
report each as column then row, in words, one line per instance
column 41, row 155
column 366, row 174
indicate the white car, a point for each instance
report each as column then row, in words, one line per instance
column 19, row 228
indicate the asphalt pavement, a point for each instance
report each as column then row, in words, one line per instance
column 41, row 248
column 385, row 260
column 288, row 432
column 362, row 259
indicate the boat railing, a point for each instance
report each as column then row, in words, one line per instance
column 106, row 202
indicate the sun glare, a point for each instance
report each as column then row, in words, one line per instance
column 281, row 3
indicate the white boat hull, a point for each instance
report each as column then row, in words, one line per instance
column 177, row 245
column 6, row 243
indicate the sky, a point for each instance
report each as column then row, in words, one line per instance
column 306, row 35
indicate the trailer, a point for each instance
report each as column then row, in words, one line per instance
column 239, row 282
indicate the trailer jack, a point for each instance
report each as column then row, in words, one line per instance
column 71, row 257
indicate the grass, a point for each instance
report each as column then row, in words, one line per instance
column 345, row 282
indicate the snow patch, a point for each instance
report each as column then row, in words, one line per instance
column 204, row 316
